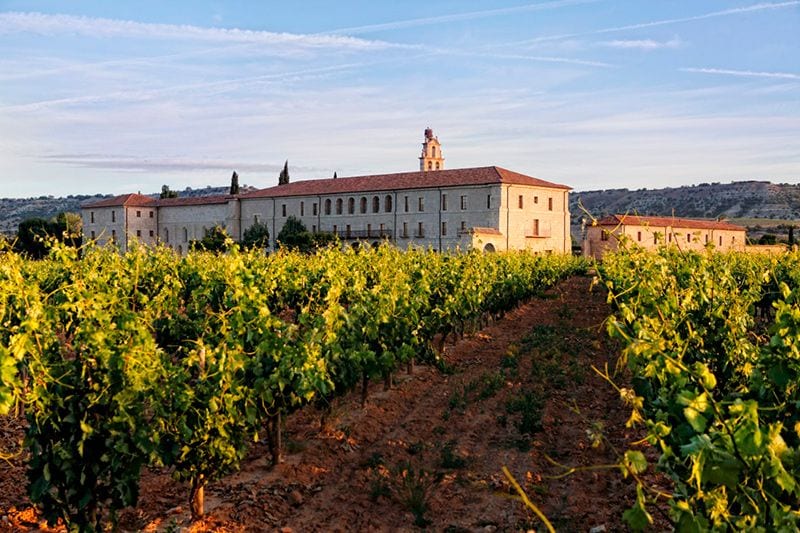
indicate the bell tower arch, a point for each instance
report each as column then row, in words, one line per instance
column 431, row 158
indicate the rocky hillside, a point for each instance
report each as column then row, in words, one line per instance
column 736, row 200
column 15, row 210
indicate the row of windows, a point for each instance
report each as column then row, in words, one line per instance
column 382, row 231
column 363, row 205
column 521, row 202
column 605, row 234
column 114, row 215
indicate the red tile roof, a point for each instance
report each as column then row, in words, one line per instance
column 133, row 200
column 485, row 231
column 403, row 180
column 194, row 200
column 662, row 222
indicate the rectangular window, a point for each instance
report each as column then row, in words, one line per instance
column 406, row 200
column 720, row 240
column 347, row 231
column 463, row 225
column 92, row 216
column 314, row 226
column 151, row 214
column 669, row 237
column 549, row 204
column 151, row 233
column 706, row 238
column 92, row 234
column 688, row 237
column 420, row 230
column 639, row 236
column 283, row 210
column 444, row 202
column 519, row 201
column 314, row 208
column 369, row 230
column 138, row 214
column 536, row 199
column 335, row 229
column 488, row 201
column 302, row 209
column 405, row 229
column 383, row 229
column 114, row 235
column 138, row 233
column 603, row 235
column 113, row 216
column 463, row 203
column 421, row 204
column 444, row 229
column 536, row 226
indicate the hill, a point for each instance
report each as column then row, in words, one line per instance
column 15, row 210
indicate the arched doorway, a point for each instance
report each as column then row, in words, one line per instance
column 489, row 248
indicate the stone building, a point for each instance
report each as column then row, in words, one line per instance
column 651, row 232
column 489, row 208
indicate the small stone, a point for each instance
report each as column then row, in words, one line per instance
column 287, row 529
column 295, row 498
column 598, row 529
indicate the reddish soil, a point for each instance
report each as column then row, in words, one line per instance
column 520, row 393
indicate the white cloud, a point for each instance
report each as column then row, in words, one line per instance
column 412, row 23
column 645, row 45
column 744, row 73
column 46, row 24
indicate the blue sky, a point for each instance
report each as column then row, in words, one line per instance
column 113, row 97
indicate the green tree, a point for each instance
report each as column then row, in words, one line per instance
column 235, row 183
column 295, row 235
column 256, row 236
column 167, row 193
column 215, row 240
column 33, row 234
column 283, row 177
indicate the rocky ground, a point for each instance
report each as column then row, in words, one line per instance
column 428, row 452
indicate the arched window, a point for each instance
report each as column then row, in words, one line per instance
column 351, row 206
column 437, row 165
column 433, row 151
column 376, row 204
column 327, row 207
column 387, row 204
column 363, row 204
column 339, row 203
column 430, row 165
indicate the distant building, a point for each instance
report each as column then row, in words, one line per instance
column 652, row 232
column 489, row 208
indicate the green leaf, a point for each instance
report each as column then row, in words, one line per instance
column 635, row 461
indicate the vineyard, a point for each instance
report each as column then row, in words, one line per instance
column 146, row 359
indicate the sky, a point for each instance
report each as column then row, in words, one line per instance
column 117, row 97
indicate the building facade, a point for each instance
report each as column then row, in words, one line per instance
column 604, row 235
column 488, row 208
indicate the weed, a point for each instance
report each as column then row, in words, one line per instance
column 529, row 405
column 416, row 447
column 379, row 487
column 450, row 459
column 413, row 490
column 490, row 384
column 375, row 460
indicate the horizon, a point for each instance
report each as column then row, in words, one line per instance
column 100, row 98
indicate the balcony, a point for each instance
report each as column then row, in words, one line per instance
column 385, row 233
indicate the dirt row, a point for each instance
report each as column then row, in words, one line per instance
column 428, row 452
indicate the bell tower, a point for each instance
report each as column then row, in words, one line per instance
column 431, row 158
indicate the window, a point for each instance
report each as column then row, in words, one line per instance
column 114, row 235
column 430, row 165
column 363, row 205
column 536, row 226
column 437, row 165
column 327, row 207
column 302, row 209
column 639, row 236
column 603, row 235
column 444, row 202
column 113, row 216
column 536, row 199
column 335, row 229
column 376, row 204
column 92, row 216
column 387, row 204
column 339, row 203
column 382, row 230
column 463, row 225
column 420, row 230
column 92, row 234
column 520, row 201
column 151, row 214
column 351, row 206
column 406, row 204
column 166, row 235
column 369, row 230
column 314, row 209
column 688, row 237
column 283, row 210
column 313, row 227
column 720, row 240
column 151, row 233
column 405, row 229
column 421, row 206
column 549, row 204
column 706, row 238
column 255, row 219
column 185, row 235
column 433, row 151
column 138, row 214
column 488, row 201
column 444, row 229
column 463, row 203
column 138, row 233
column 669, row 237
column 733, row 240
column 347, row 230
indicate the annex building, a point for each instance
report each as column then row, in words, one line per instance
column 487, row 208
column 604, row 235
